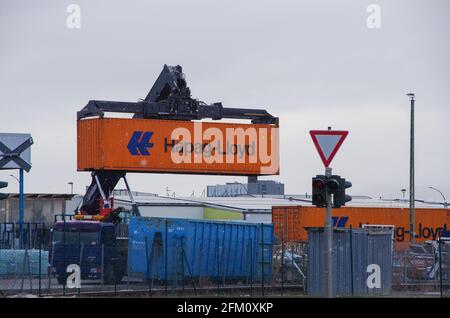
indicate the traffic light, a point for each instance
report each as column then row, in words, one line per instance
column 319, row 191
column 339, row 196
column 333, row 184
column 3, row 184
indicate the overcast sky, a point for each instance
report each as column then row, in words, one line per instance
column 312, row 63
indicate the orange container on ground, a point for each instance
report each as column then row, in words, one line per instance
column 172, row 146
column 290, row 221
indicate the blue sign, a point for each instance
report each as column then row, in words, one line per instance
column 339, row 221
column 140, row 142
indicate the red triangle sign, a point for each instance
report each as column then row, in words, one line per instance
column 327, row 143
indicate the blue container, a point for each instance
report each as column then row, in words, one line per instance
column 201, row 249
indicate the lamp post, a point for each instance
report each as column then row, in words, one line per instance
column 13, row 176
column 411, row 173
column 21, row 206
column 445, row 201
column 71, row 187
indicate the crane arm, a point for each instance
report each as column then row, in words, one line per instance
column 170, row 98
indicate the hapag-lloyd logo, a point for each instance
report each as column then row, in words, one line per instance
column 237, row 145
column 208, row 149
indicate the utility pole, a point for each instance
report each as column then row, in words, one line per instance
column 411, row 174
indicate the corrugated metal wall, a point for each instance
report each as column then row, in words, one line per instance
column 353, row 251
column 212, row 249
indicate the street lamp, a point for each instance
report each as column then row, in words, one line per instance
column 403, row 192
column 13, row 176
column 411, row 173
column 445, row 201
column 71, row 187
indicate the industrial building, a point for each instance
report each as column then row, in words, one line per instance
column 253, row 187
column 43, row 207
column 38, row 208
column 248, row 208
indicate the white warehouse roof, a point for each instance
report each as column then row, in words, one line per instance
column 261, row 204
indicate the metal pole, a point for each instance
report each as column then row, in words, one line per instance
column 262, row 259
column 351, row 260
column 128, row 273
column 40, row 263
column 165, row 257
column 251, row 267
column 189, row 270
column 80, row 249
column 81, row 263
column 148, row 267
column 182, row 266
column 440, row 266
column 329, row 244
column 21, row 213
column 134, row 206
column 411, row 175
column 100, row 189
column 64, row 255
column 103, row 265
column 7, row 219
column 282, row 259
column 218, row 269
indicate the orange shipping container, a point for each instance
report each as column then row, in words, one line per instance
column 290, row 221
column 170, row 146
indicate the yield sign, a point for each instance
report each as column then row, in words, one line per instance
column 327, row 143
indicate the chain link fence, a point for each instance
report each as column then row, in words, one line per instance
column 35, row 263
column 422, row 269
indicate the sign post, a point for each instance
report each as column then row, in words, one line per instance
column 15, row 153
column 329, row 243
column 327, row 143
column 21, row 208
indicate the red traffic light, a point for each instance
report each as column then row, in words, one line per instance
column 318, row 184
column 318, row 199
column 319, row 191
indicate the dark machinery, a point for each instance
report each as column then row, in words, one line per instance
column 170, row 99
